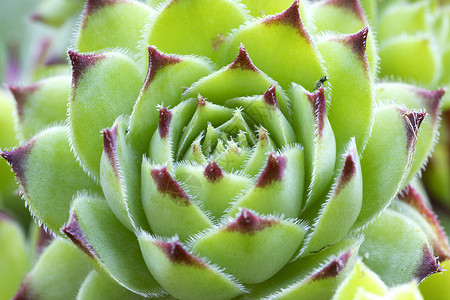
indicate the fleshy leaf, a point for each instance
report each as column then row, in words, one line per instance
column 405, row 254
column 314, row 132
column 49, row 176
column 353, row 93
column 416, row 98
column 41, row 104
column 283, row 38
column 260, row 8
column 211, row 186
column 388, row 158
column 120, row 177
column 104, row 86
column 111, row 246
column 167, row 75
column 14, row 257
column 341, row 209
column 97, row 286
column 252, row 248
column 61, row 265
column 194, row 26
column 436, row 286
column 179, row 272
column 111, row 14
column 279, row 187
column 398, row 57
column 168, row 207
column 360, row 278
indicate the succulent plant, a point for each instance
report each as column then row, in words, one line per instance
column 245, row 152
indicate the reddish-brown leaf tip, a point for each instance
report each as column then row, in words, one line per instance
column 358, row 44
column 176, row 253
column 21, row 96
column 248, row 223
column 25, row 292
column 270, row 96
column 429, row 265
column 441, row 247
column 412, row 120
column 43, row 240
column 165, row 116
column 273, row 171
column 17, row 159
column 200, row 101
column 318, row 103
column 157, row 61
column 291, row 17
column 109, row 146
column 165, row 184
column 243, row 61
column 93, row 5
column 352, row 5
column 81, row 63
column 348, row 170
column 263, row 137
column 333, row 268
column 432, row 100
column 75, row 233
column 212, row 172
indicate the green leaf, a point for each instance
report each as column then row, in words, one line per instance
column 49, row 176
column 113, row 249
column 104, row 86
column 390, row 152
column 167, row 75
column 341, row 209
column 102, row 25
column 14, row 258
column 180, row 272
column 41, row 104
column 405, row 254
column 351, row 110
column 194, row 26
column 61, row 266
column 97, row 286
column 120, row 177
column 281, row 47
column 252, row 248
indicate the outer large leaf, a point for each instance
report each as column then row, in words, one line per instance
column 49, row 176
column 111, row 246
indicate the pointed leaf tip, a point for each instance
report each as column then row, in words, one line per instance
column 243, row 61
column 428, row 266
column 213, row 172
column 247, row 222
column 176, row 253
column 358, row 43
column 109, row 146
column 410, row 196
column 291, row 17
column 165, row 116
column 412, row 121
column 273, row 171
column 75, row 233
column 157, row 61
column 352, row 5
column 318, row 103
column 333, row 268
column 201, row 101
column 17, row 159
column 94, row 5
column 21, row 95
column 432, row 97
column 270, row 96
column 81, row 63
column 348, row 171
column 167, row 185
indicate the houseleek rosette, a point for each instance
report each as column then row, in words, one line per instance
column 243, row 153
